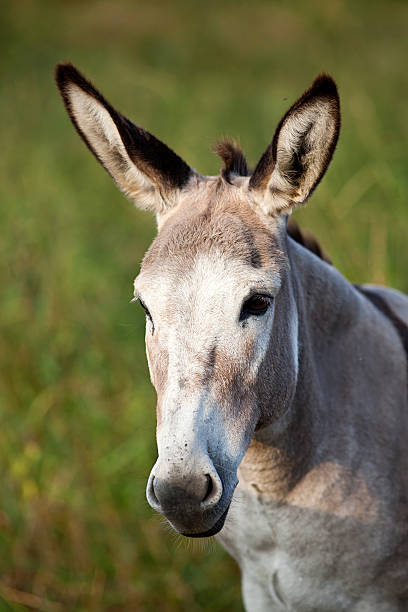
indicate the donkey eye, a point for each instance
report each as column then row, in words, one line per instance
column 255, row 305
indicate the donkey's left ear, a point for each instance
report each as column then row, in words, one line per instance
column 300, row 151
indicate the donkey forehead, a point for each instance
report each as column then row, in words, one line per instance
column 216, row 224
column 205, row 286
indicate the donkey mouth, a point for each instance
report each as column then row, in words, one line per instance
column 214, row 529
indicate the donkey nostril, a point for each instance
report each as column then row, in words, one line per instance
column 213, row 493
column 151, row 493
column 210, row 487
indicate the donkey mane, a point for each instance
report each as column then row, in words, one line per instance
column 233, row 158
column 307, row 240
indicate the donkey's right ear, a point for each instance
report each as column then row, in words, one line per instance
column 301, row 150
column 144, row 168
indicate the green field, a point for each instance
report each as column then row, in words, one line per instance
column 77, row 417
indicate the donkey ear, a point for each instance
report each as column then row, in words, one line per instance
column 300, row 151
column 144, row 168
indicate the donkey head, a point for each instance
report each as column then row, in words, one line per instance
column 221, row 318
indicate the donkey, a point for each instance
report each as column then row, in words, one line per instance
column 282, row 417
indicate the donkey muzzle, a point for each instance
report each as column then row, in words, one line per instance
column 193, row 502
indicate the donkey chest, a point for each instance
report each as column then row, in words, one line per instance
column 301, row 559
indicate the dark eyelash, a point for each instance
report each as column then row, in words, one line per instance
column 146, row 310
column 147, row 313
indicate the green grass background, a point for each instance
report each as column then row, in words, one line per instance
column 76, row 407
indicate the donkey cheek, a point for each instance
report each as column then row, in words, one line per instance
column 158, row 364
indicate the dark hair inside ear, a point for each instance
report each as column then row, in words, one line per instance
column 296, row 166
column 233, row 158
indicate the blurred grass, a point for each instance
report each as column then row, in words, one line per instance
column 76, row 408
